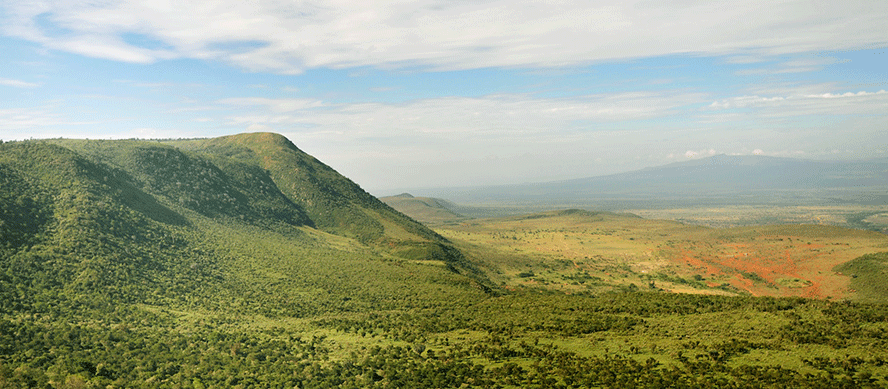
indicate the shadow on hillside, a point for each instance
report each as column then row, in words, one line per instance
column 148, row 206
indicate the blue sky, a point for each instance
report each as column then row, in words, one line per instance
column 410, row 94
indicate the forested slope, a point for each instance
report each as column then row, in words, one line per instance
column 263, row 176
column 117, row 241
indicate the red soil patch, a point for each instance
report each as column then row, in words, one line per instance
column 770, row 259
column 745, row 284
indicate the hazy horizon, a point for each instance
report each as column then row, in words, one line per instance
column 434, row 191
column 424, row 94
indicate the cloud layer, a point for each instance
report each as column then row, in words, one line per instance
column 292, row 36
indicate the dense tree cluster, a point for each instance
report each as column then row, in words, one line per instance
column 137, row 348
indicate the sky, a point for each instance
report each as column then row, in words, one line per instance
column 443, row 93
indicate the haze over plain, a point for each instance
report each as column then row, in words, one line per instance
column 424, row 93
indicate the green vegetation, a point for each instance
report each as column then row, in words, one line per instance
column 427, row 210
column 520, row 340
column 203, row 264
column 582, row 251
column 868, row 274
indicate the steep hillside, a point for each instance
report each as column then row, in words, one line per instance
column 868, row 274
column 218, row 188
column 99, row 223
column 332, row 202
column 79, row 233
column 263, row 177
column 428, row 210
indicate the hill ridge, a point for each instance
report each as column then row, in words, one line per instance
column 264, row 178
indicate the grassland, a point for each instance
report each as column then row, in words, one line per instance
column 579, row 250
column 860, row 216
column 429, row 211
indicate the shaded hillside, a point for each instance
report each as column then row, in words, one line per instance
column 219, row 188
column 333, row 203
column 77, row 232
column 427, row 210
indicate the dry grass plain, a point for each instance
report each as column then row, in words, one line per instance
column 850, row 215
column 579, row 250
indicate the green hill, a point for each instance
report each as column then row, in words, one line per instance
column 100, row 222
column 868, row 275
column 263, row 176
column 428, row 210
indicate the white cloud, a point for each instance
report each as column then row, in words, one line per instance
column 512, row 115
column 258, row 128
column 782, row 70
column 17, row 83
column 846, row 94
column 691, row 154
column 275, row 105
column 289, row 37
column 815, row 104
column 800, row 65
column 41, row 122
column 23, row 119
column 101, row 47
column 744, row 101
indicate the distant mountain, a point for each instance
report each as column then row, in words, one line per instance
column 720, row 176
column 428, row 210
column 731, row 174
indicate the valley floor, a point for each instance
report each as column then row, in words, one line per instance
column 573, row 251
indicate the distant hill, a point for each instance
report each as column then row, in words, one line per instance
column 427, row 210
column 718, row 178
